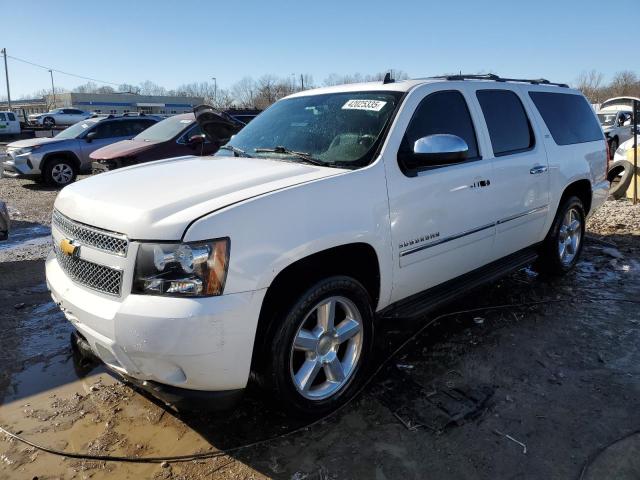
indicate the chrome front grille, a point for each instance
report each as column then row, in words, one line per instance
column 97, row 277
column 104, row 240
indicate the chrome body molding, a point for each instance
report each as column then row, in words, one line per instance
column 473, row 230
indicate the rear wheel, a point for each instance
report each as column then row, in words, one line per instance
column 59, row 172
column 563, row 245
column 319, row 346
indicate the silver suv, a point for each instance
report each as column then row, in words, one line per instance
column 58, row 160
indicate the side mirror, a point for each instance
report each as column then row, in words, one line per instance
column 437, row 150
column 89, row 137
column 196, row 140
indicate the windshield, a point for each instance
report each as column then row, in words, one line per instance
column 335, row 128
column 75, row 130
column 166, row 129
column 607, row 119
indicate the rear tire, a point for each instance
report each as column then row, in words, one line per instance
column 319, row 347
column 59, row 172
column 561, row 248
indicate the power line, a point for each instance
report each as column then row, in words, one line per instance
column 64, row 73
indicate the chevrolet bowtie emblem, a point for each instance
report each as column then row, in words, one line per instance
column 68, row 248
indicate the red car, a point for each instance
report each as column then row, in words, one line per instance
column 175, row 136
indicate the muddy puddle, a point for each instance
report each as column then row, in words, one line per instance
column 24, row 236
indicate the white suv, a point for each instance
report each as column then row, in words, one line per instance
column 333, row 207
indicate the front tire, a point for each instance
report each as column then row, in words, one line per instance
column 59, row 172
column 319, row 347
column 613, row 146
column 561, row 249
column 49, row 122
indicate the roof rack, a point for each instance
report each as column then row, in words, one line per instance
column 497, row 78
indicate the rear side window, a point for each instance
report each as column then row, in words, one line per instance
column 442, row 112
column 568, row 117
column 509, row 128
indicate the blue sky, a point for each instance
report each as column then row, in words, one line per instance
column 177, row 42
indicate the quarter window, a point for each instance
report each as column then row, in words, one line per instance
column 568, row 117
column 509, row 128
column 442, row 112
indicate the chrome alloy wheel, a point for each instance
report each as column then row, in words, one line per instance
column 62, row 173
column 570, row 236
column 326, row 348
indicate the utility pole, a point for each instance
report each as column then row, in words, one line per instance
column 53, row 89
column 6, row 73
column 215, row 90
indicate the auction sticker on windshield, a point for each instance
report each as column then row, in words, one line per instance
column 373, row 105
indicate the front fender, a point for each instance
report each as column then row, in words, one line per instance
column 272, row 231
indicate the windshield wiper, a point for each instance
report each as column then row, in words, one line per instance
column 237, row 152
column 304, row 156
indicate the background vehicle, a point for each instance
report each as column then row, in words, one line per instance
column 621, row 169
column 333, row 207
column 59, row 116
column 172, row 137
column 5, row 222
column 9, row 123
column 58, row 160
column 615, row 116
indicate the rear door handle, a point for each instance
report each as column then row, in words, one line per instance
column 538, row 169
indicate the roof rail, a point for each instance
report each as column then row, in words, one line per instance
column 497, row 78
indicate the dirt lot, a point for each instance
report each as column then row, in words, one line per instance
column 528, row 391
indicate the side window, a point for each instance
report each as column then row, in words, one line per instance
column 192, row 132
column 3, row 117
column 12, row 117
column 137, row 126
column 442, row 112
column 110, row 130
column 509, row 128
column 568, row 117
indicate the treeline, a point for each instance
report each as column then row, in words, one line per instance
column 245, row 93
column 623, row 84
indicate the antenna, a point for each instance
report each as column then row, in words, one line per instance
column 387, row 78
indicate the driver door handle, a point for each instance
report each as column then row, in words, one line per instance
column 538, row 169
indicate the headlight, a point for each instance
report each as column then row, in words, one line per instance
column 25, row 150
column 182, row 269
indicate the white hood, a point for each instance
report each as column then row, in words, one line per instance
column 158, row 200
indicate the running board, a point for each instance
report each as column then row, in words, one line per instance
column 421, row 303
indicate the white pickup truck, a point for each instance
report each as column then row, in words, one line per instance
column 333, row 208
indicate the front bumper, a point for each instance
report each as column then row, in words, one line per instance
column 164, row 343
column 19, row 166
column 179, row 398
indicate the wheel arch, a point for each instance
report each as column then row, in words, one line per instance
column 358, row 260
column 581, row 189
column 66, row 154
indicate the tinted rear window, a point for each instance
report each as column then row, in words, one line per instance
column 568, row 117
column 509, row 127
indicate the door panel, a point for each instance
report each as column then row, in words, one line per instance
column 440, row 223
column 520, row 172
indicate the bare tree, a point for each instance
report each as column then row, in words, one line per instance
column 591, row 84
column 625, row 83
column 244, row 92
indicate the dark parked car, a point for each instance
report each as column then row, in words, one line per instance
column 172, row 137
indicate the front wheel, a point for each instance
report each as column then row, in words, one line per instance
column 561, row 249
column 49, row 122
column 59, row 172
column 320, row 346
column 613, row 146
